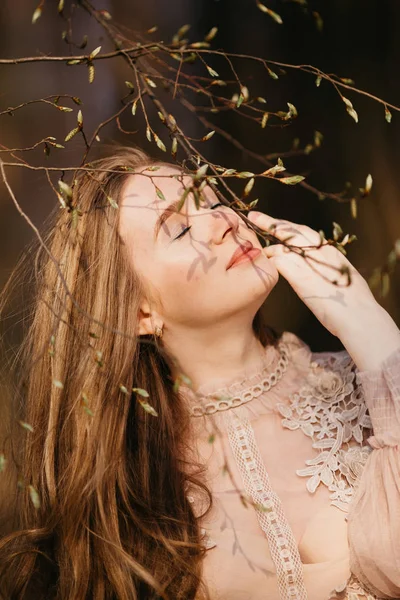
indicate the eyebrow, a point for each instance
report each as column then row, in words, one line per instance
column 166, row 214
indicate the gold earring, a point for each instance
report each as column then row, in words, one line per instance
column 158, row 331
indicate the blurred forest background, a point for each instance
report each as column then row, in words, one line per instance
column 356, row 39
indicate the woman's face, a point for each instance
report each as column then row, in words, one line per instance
column 185, row 264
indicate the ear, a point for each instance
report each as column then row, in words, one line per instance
column 147, row 320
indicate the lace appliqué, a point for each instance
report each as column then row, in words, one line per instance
column 330, row 409
column 350, row 590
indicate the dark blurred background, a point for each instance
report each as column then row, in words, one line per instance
column 359, row 40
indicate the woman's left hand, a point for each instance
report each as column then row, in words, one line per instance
column 335, row 306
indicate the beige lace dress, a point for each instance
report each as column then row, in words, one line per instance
column 312, row 446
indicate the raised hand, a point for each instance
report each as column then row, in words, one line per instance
column 311, row 273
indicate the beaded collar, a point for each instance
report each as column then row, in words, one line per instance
column 221, row 401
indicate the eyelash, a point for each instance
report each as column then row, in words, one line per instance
column 187, row 228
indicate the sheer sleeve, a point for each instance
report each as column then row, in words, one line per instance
column 374, row 513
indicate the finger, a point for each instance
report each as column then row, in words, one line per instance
column 280, row 229
column 280, row 251
column 293, row 233
column 269, row 224
column 260, row 219
column 272, row 224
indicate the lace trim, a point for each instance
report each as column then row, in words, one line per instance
column 227, row 402
column 351, row 590
column 331, row 410
column 269, row 509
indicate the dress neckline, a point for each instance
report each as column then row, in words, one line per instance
column 246, row 385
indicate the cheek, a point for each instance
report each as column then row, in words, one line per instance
column 181, row 276
column 183, row 283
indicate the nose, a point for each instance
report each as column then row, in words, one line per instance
column 223, row 223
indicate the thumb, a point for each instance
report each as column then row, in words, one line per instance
column 274, row 251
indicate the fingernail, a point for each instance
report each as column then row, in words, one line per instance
column 253, row 215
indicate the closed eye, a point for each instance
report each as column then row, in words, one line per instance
column 184, row 231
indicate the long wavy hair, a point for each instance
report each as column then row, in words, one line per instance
column 100, row 509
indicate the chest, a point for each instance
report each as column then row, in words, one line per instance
column 239, row 563
column 319, row 529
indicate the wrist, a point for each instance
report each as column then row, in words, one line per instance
column 371, row 337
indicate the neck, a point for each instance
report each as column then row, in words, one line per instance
column 214, row 357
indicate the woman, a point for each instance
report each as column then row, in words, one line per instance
column 155, row 461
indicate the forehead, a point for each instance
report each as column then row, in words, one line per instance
column 140, row 188
column 142, row 203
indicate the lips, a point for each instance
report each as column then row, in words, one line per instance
column 239, row 252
